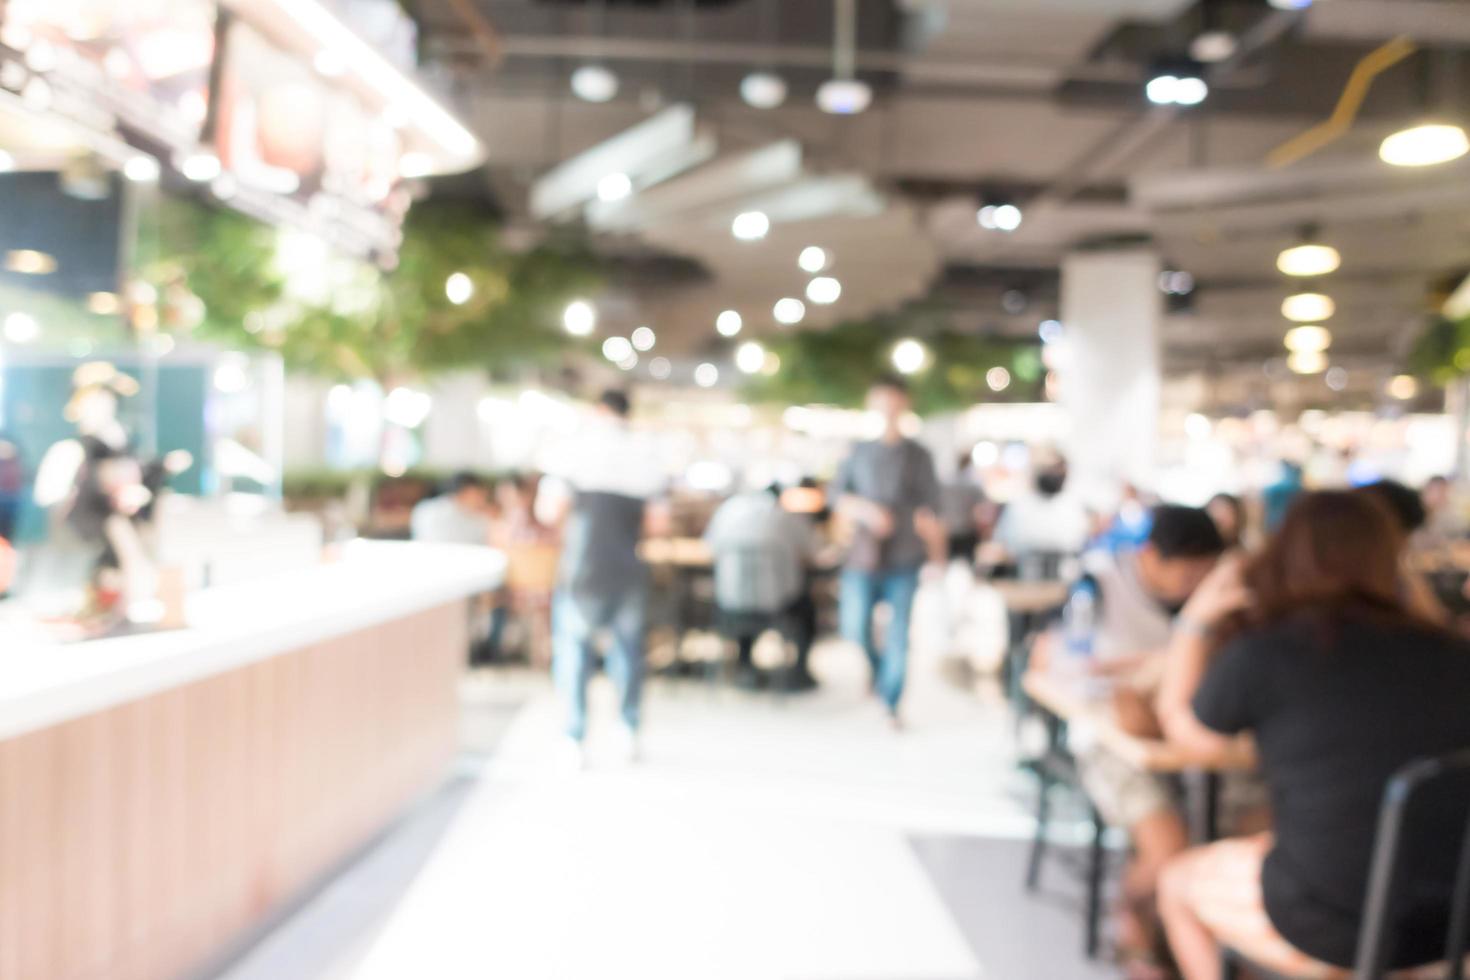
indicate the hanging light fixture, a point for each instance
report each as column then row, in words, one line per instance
column 1309, row 338
column 1435, row 140
column 1308, row 307
column 844, row 94
column 596, row 82
column 763, row 88
column 1309, row 257
column 1307, row 362
column 1425, row 145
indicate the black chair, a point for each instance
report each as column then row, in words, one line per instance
column 1426, row 811
column 749, row 566
column 1056, row 767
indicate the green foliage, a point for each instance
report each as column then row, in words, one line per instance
column 1442, row 352
column 345, row 320
column 836, row 366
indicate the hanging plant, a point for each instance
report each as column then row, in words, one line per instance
column 1442, row 352
column 342, row 319
column 836, row 367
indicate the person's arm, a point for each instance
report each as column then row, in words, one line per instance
column 1191, row 652
column 853, row 508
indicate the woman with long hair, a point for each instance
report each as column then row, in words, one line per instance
column 1312, row 649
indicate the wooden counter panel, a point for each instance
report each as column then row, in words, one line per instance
column 140, row 842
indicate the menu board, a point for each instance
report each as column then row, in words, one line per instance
column 282, row 127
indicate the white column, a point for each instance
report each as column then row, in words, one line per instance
column 1110, row 372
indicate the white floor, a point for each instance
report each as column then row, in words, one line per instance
column 759, row 839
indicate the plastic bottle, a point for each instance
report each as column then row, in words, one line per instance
column 1079, row 626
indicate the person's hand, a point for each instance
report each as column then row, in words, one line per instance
column 1222, row 593
column 879, row 520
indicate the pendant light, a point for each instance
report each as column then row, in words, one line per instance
column 1310, row 257
column 595, row 82
column 1437, row 138
column 844, row 94
column 764, row 88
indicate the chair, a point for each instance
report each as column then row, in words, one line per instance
column 1426, row 806
column 739, row 573
column 1055, row 767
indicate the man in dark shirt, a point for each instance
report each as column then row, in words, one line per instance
column 889, row 493
column 605, row 482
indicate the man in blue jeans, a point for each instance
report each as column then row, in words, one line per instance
column 888, row 491
column 608, row 478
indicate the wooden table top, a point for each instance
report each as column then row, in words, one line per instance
column 680, row 552
column 1073, row 706
column 1031, row 597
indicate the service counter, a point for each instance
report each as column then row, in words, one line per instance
column 164, row 795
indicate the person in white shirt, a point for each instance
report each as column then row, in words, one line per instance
column 1045, row 524
column 604, row 487
column 461, row 515
column 761, row 556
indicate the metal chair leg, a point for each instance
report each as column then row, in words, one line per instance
column 1096, row 866
column 1039, row 843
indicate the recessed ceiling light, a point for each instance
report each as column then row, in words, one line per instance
column 706, row 375
column 30, row 262
column 1403, row 387
column 789, row 311
column 459, row 288
column 660, row 368
column 998, row 378
column 999, row 217
column 617, row 349
column 813, row 259
column 644, row 338
column 1213, row 46
column 729, row 323
column 579, row 318
column 750, row 357
column 21, row 328
column 594, row 83
column 141, row 169
column 201, row 166
column 614, row 187
column 750, row 226
column 910, row 356
column 824, row 290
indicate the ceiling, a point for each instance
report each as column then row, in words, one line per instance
column 1036, row 100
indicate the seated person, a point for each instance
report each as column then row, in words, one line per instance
column 1044, row 526
column 460, row 515
column 1311, row 648
column 1407, row 509
column 1138, row 593
column 463, row 515
column 761, row 554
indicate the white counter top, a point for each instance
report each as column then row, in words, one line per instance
column 44, row 683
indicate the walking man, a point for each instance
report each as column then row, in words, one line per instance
column 887, row 490
column 608, row 478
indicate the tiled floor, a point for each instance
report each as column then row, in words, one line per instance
column 758, row 840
